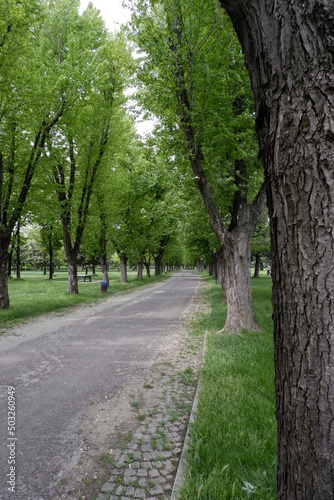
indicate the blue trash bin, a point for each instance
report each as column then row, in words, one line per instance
column 104, row 286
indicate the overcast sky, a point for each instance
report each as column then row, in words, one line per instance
column 112, row 12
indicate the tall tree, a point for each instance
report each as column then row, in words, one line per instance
column 289, row 52
column 183, row 40
column 78, row 145
column 32, row 101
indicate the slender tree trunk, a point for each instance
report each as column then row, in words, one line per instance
column 50, row 255
column 4, row 297
column 140, row 270
column 124, row 268
column 288, row 47
column 18, row 253
column 148, row 270
column 104, row 266
column 93, row 265
column 72, row 274
column 220, row 271
column 257, row 266
column 10, row 258
column 44, row 267
column 156, row 266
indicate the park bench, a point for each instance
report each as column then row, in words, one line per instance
column 85, row 277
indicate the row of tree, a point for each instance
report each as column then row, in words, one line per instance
column 70, row 156
column 189, row 82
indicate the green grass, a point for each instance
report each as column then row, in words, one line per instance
column 233, row 448
column 34, row 294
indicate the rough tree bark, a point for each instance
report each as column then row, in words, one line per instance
column 289, row 52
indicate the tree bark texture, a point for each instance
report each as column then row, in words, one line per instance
column 289, row 52
column 72, row 274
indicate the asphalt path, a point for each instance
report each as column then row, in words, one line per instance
column 59, row 364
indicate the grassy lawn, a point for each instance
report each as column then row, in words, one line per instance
column 35, row 294
column 233, row 449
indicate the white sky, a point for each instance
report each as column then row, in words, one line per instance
column 112, row 12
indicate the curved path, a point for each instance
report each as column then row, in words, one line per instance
column 61, row 362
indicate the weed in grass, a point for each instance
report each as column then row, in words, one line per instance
column 128, row 437
column 141, row 418
column 135, row 404
column 147, row 385
column 88, row 481
column 106, row 461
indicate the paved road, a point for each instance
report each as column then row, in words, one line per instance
column 59, row 364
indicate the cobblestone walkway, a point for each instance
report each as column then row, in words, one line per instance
column 147, row 464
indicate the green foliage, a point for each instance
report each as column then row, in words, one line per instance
column 261, row 237
column 217, row 84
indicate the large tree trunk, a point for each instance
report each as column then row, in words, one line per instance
column 289, row 52
column 124, row 268
column 237, row 283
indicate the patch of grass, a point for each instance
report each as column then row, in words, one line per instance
column 147, row 385
column 135, row 405
column 233, row 448
column 34, row 294
column 106, row 460
column 88, row 481
column 186, row 376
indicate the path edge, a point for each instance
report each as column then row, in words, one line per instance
column 182, row 467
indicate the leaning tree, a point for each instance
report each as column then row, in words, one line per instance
column 289, row 52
